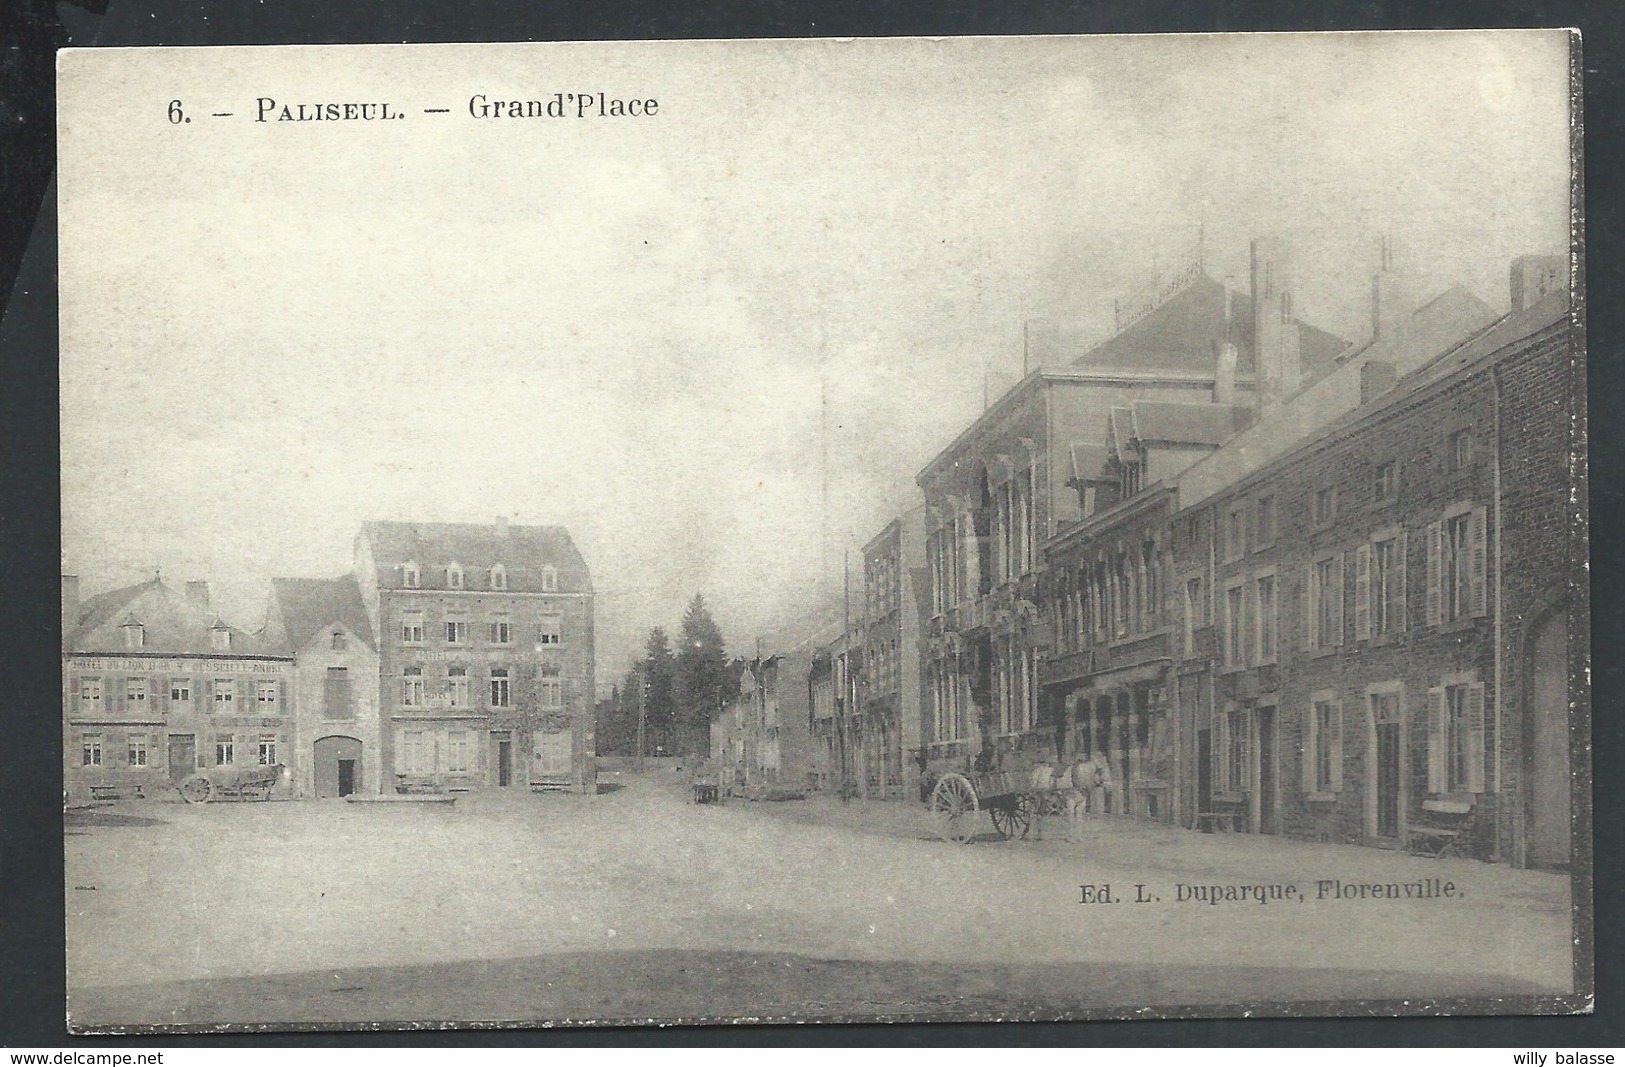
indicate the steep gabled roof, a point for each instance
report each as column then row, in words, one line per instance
column 1182, row 333
column 1188, row 424
column 308, row 606
column 523, row 552
column 1089, row 461
column 172, row 625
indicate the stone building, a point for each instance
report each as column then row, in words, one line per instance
column 888, row 699
column 485, row 655
column 1358, row 637
column 323, row 625
column 157, row 687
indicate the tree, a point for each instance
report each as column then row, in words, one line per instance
column 703, row 676
column 659, row 681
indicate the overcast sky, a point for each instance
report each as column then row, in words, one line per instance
column 273, row 332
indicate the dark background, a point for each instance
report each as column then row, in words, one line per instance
column 31, row 894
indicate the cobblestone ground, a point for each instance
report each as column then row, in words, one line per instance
column 638, row 904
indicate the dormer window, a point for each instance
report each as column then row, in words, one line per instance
column 220, row 638
column 341, row 641
column 454, row 576
column 411, row 578
column 499, row 577
column 135, row 635
column 550, row 579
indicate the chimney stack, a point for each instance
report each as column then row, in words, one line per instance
column 70, row 604
column 197, row 592
column 1391, row 299
column 1276, row 354
column 1535, row 276
column 1224, row 374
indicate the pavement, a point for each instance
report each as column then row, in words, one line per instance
column 637, row 905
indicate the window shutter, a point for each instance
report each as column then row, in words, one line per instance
column 282, row 696
column 1337, row 746
column 158, row 694
column 1435, row 606
column 1311, row 615
column 1475, row 737
column 1307, row 742
column 73, row 685
column 1477, row 558
column 202, row 697
column 1399, row 580
column 1337, row 602
column 1221, row 748
column 117, row 695
column 152, row 696
column 1436, row 740
column 1362, row 593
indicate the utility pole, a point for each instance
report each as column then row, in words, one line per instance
column 844, row 676
column 643, row 693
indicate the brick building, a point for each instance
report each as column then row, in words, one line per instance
column 1353, row 643
column 485, row 655
column 156, row 687
column 889, row 696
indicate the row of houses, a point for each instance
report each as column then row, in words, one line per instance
column 453, row 656
column 1269, row 578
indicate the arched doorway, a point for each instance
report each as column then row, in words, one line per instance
column 1549, row 781
column 337, row 763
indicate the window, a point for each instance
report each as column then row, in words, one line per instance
column 1325, row 608
column 456, row 632
column 411, row 577
column 336, row 694
column 1323, row 746
column 501, row 631
column 135, row 635
column 340, row 641
column 499, row 687
column 1461, row 449
column 225, row 694
column 90, row 696
column 180, row 692
column 454, row 577
column 1195, row 609
column 499, row 577
column 1456, row 551
column 1385, row 483
column 1325, row 508
column 1455, row 565
column 457, row 687
column 1268, row 618
column 417, row 752
column 90, row 750
column 552, row 693
column 412, row 687
column 137, row 746
column 1456, row 736
column 550, row 580
column 220, row 638
column 1235, row 534
column 1380, row 586
column 135, row 694
column 1266, row 521
column 225, row 750
column 266, row 696
column 459, row 751
column 1234, row 625
column 265, row 751
column 412, row 628
column 1237, row 729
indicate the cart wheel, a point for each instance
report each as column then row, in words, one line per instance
column 197, row 789
column 953, row 804
column 1012, row 816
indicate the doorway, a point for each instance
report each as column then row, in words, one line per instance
column 1266, row 772
column 1387, row 770
column 182, row 757
column 504, row 761
column 1549, row 778
column 337, row 766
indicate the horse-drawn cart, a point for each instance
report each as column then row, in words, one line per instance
column 231, row 783
column 1014, row 800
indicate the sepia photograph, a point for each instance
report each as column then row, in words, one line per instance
column 824, row 530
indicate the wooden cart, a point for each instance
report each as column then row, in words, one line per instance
column 231, row 783
column 1012, row 799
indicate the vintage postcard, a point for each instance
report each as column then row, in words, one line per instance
column 897, row 529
